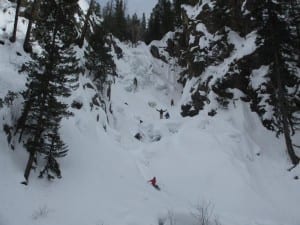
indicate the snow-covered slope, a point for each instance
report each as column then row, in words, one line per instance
column 229, row 161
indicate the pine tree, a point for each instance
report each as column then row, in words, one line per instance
column 294, row 15
column 120, row 25
column 85, row 25
column 167, row 16
column 135, row 29
column 51, row 74
column 108, row 13
column 99, row 61
column 278, row 47
column 154, row 26
column 143, row 27
column 177, row 11
column 161, row 20
column 115, row 21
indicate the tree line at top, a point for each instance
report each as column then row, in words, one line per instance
column 165, row 16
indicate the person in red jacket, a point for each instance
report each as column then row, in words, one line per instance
column 153, row 183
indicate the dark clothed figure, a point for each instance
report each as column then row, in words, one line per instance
column 172, row 102
column 135, row 83
column 167, row 115
column 161, row 113
column 138, row 136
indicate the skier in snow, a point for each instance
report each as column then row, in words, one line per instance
column 167, row 115
column 153, row 183
column 172, row 102
column 135, row 83
column 161, row 112
column 138, row 136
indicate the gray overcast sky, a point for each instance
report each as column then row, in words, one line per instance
column 138, row 6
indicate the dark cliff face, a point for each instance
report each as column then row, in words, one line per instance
column 204, row 42
column 218, row 17
column 223, row 43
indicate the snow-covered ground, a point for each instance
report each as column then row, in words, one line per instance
column 228, row 162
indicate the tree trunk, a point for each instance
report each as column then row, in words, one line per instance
column 281, row 97
column 37, row 136
column 26, row 46
column 285, row 123
column 22, row 120
column 85, row 26
column 13, row 37
column 29, row 166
